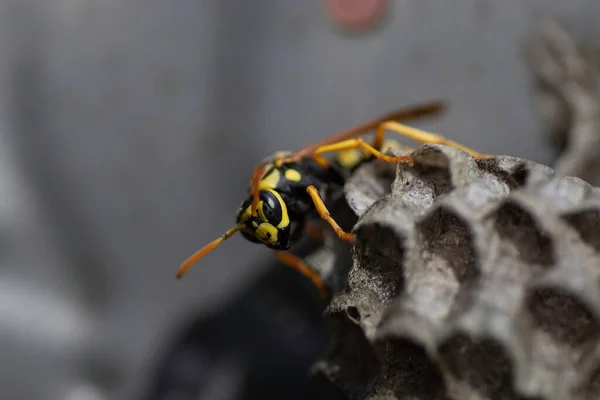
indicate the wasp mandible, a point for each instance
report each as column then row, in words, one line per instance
column 288, row 189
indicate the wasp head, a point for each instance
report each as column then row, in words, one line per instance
column 270, row 224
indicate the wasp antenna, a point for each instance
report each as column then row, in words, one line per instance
column 206, row 249
column 256, row 175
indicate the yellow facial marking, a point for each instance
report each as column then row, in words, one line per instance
column 260, row 212
column 266, row 233
column 293, row 175
column 270, row 181
column 246, row 215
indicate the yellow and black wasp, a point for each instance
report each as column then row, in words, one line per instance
column 288, row 189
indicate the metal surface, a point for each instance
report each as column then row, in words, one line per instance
column 135, row 124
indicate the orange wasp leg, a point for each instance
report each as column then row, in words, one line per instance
column 411, row 113
column 353, row 144
column 405, row 114
column 324, row 213
column 296, row 263
column 420, row 136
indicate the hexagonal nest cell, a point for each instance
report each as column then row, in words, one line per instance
column 470, row 279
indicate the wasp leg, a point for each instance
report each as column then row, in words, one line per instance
column 353, row 144
column 324, row 213
column 296, row 263
column 419, row 136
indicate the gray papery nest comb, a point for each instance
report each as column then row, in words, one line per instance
column 472, row 279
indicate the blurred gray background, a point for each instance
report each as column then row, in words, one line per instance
column 128, row 129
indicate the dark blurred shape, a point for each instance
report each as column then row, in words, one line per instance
column 568, row 97
column 261, row 345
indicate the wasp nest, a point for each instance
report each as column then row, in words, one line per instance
column 471, row 279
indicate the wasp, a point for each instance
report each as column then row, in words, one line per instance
column 289, row 189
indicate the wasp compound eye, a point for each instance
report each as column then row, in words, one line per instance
column 271, row 210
